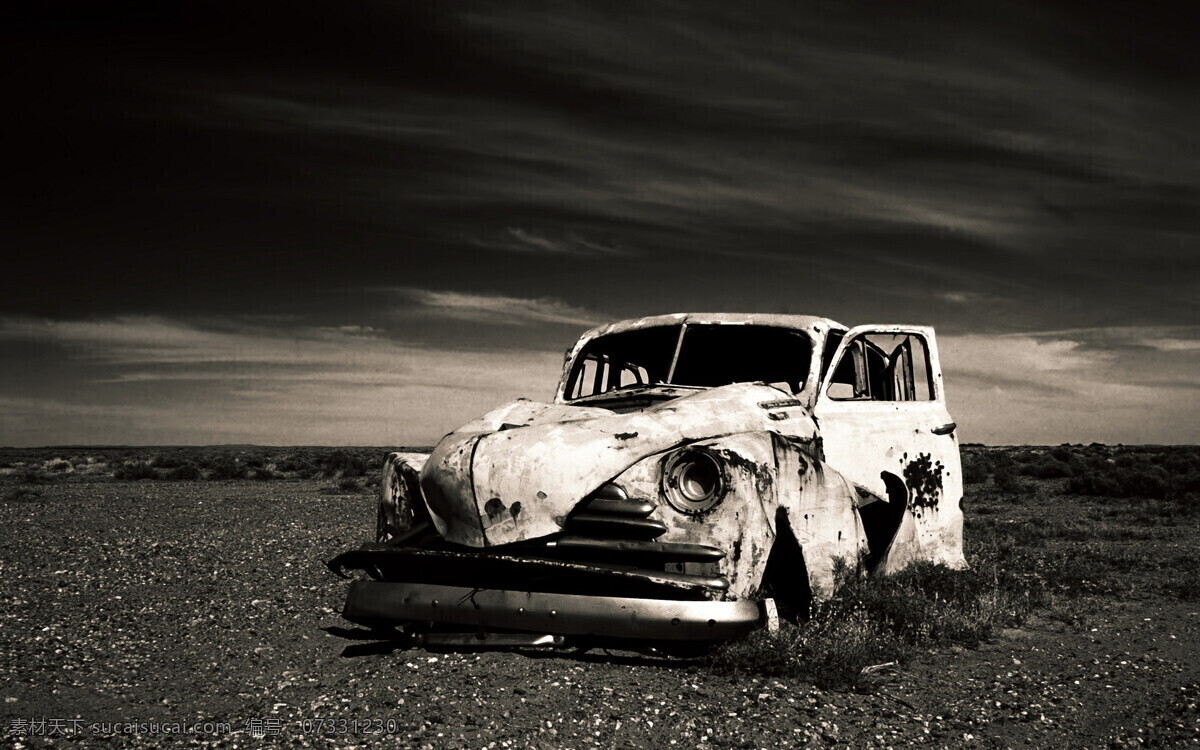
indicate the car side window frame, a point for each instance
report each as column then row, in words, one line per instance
column 889, row 379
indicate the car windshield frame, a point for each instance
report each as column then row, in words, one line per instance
column 680, row 347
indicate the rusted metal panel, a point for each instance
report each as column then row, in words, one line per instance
column 400, row 497
column 523, row 413
column 447, row 487
column 554, row 466
column 818, row 505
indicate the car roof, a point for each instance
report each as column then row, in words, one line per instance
column 799, row 322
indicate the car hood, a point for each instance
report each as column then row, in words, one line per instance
column 516, row 473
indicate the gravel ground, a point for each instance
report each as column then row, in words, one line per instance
column 136, row 602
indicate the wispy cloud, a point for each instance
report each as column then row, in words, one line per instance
column 145, row 380
column 158, row 339
column 1128, row 384
column 497, row 309
column 526, row 241
column 966, row 298
column 1115, row 338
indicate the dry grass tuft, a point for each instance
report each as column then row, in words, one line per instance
column 874, row 620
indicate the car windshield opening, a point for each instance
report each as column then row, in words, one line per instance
column 708, row 356
column 716, row 355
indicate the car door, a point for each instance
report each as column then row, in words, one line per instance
column 882, row 416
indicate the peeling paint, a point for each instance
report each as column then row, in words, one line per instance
column 923, row 478
column 495, row 510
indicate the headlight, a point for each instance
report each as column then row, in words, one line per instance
column 693, row 481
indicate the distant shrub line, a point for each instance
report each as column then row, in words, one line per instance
column 32, row 466
column 183, row 465
column 1161, row 473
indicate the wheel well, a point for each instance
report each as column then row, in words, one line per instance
column 881, row 520
column 785, row 578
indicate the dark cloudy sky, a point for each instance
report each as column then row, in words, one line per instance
column 368, row 222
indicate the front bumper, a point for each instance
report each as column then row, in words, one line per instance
column 600, row 617
column 499, row 593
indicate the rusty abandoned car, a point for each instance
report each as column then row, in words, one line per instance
column 691, row 468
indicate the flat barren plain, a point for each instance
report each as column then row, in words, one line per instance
column 179, row 596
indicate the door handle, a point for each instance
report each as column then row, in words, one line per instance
column 945, row 429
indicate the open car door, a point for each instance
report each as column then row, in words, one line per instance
column 885, row 427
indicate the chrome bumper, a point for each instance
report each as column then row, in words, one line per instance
column 601, row 617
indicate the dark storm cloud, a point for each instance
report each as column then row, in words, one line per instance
column 410, row 131
column 510, row 170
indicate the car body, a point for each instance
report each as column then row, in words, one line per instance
column 689, row 467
